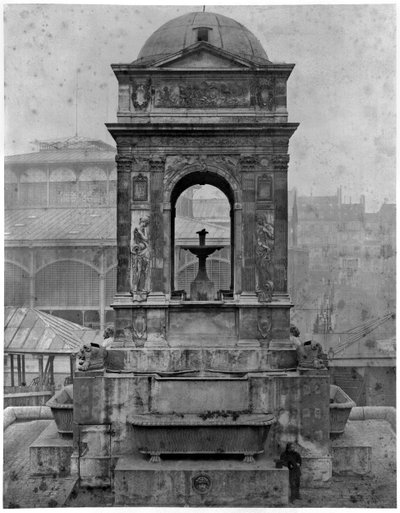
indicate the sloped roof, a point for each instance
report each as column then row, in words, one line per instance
column 61, row 156
column 28, row 330
column 55, row 224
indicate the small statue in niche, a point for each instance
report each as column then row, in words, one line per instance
column 264, row 250
column 140, row 258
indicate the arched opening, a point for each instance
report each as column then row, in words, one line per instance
column 202, row 201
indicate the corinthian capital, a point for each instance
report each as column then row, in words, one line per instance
column 280, row 162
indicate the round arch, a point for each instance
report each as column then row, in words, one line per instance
column 201, row 175
column 198, row 174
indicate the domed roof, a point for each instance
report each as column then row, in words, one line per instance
column 224, row 33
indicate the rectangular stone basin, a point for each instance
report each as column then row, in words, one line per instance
column 197, row 392
column 208, row 433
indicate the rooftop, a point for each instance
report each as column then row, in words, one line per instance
column 71, row 149
column 223, row 32
column 27, row 330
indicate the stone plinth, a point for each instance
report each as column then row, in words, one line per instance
column 350, row 455
column 50, row 453
column 222, row 483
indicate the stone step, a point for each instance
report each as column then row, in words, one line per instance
column 190, row 482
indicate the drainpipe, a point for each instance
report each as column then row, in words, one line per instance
column 387, row 413
column 15, row 413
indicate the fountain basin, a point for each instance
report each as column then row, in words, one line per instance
column 207, row 433
column 197, row 392
column 63, row 416
column 339, row 410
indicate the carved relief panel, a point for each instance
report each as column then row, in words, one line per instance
column 140, row 93
column 199, row 94
column 265, row 187
column 265, row 242
column 140, row 187
column 263, row 92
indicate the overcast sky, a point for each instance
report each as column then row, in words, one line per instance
column 342, row 90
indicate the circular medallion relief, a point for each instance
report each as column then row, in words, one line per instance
column 201, row 483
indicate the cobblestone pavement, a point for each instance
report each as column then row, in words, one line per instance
column 19, row 489
column 377, row 490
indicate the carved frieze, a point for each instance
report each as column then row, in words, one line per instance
column 140, row 94
column 202, row 94
column 140, row 188
column 265, row 238
column 217, row 141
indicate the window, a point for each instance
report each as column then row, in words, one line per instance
column 202, row 34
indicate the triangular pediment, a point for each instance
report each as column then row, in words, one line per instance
column 203, row 56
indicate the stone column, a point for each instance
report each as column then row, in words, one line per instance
column 102, row 292
column 238, row 249
column 124, row 166
column 123, row 317
column 167, row 247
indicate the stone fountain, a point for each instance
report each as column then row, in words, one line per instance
column 195, row 398
column 202, row 288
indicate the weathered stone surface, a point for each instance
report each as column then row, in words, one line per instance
column 50, row 453
column 200, row 483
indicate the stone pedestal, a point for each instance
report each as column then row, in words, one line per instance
column 350, row 455
column 199, row 483
column 50, row 453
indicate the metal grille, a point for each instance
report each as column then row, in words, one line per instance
column 219, row 271
column 16, row 286
column 67, row 283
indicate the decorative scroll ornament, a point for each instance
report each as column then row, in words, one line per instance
column 140, row 258
column 264, row 253
column 264, row 327
column 139, row 329
column 140, row 94
column 265, row 93
column 201, row 483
